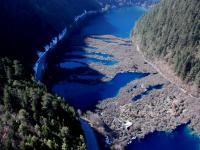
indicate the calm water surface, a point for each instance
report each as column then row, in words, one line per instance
column 180, row 139
column 83, row 91
column 118, row 22
column 84, row 88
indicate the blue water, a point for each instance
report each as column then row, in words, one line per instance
column 90, row 53
column 85, row 95
column 71, row 65
column 146, row 92
column 85, row 90
column 88, row 77
column 180, row 139
column 90, row 139
column 118, row 22
column 89, row 60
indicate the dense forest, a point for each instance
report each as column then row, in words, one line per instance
column 172, row 31
column 30, row 117
column 27, row 26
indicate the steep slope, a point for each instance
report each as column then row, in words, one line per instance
column 172, row 31
column 26, row 26
column 32, row 118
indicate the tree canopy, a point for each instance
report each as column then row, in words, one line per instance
column 32, row 118
column 172, row 31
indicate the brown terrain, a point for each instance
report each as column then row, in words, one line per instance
column 121, row 118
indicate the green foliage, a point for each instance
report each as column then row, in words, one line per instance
column 172, row 31
column 32, row 118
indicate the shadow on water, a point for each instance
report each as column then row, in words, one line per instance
column 68, row 72
column 84, row 93
column 82, row 86
column 102, row 23
column 69, row 75
column 118, row 23
column 72, row 78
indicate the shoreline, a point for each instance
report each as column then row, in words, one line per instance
column 68, row 31
column 161, row 110
column 57, row 40
column 171, row 77
column 174, row 105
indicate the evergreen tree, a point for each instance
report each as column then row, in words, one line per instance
column 6, row 98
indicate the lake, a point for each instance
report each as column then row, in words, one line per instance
column 82, row 86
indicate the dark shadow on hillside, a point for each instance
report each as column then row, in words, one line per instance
column 97, row 26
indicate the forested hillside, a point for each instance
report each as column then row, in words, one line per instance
column 172, row 31
column 30, row 117
column 28, row 25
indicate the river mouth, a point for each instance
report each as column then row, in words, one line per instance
column 99, row 65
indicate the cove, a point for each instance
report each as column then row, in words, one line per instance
column 85, row 95
column 82, row 86
column 146, row 92
column 181, row 138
